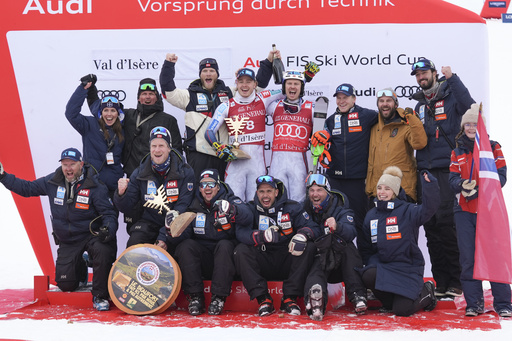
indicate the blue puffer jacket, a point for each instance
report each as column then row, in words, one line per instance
column 338, row 208
column 95, row 147
column 288, row 215
column 70, row 221
column 203, row 229
column 350, row 139
column 178, row 189
column 390, row 241
column 445, row 111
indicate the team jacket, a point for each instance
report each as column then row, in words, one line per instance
column 203, row 228
column 444, row 111
column 288, row 215
column 199, row 104
column 338, row 208
column 177, row 186
column 390, row 241
column 460, row 169
column 95, row 147
column 393, row 144
column 70, row 221
column 350, row 139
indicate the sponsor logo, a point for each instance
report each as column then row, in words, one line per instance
column 172, row 191
column 71, row 7
column 353, row 116
column 285, row 217
column 61, row 192
column 440, row 117
column 190, row 186
column 172, row 184
column 290, row 130
column 391, row 221
column 83, row 200
column 355, row 129
column 116, row 93
column 497, row 4
column 201, row 220
column 394, row 236
column 439, row 104
column 202, row 99
column 151, row 187
column 350, row 218
column 406, row 90
column 81, row 206
column 353, row 123
column 84, row 192
column 148, row 273
column 263, row 223
column 392, row 229
column 391, row 205
column 58, row 201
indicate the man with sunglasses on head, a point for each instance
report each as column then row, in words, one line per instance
column 208, row 251
column 199, row 101
column 248, row 107
column 392, row 142
column 164, row 183
column 441, row 104
column 277, row 245
column 338, row 256
column 293, row 126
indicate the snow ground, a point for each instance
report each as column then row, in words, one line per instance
column 17, row 257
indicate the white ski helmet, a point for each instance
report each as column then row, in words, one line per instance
column 294, row 74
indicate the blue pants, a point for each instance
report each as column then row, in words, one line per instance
column 473, row 293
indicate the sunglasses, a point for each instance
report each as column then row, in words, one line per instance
column 265, row 179
column 107, row 99
column 148, row 86
column 316, row 179
column 389, row 93
column 207, row 184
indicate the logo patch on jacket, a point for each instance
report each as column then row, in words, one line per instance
column 61, row 192
column 263, row 223
column 394, row 132
column 81, row 206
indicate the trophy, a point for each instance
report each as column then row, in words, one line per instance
column 236, row 126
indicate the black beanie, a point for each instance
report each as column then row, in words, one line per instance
column 147, row 84
column 209, row 62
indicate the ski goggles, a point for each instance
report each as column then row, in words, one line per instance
column 159, row 131
column 207, row 184
column 147, row 87
column 385, row 92
column 112, row 99
column 319, row 180
column 291, row 108
column 423, row 64
column 266, row 179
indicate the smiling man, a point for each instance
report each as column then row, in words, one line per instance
column 83, row 219
column 392, row 142
column 199, row 101
column 348, row 132
column 251, row 108
column 276, row 245
column 164, row 183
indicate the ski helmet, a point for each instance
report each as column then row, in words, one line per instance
column 294, row 74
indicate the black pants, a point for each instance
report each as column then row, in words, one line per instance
column 142, row 232
column 200, row 161
column 345, row 272
column 256, row 266
column 71, row 269
column 198, row 262
column 355, row 191
column 442, row 236
column 400, row 305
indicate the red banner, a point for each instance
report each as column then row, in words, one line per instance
column 494, row 9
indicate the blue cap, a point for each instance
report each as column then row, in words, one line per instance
column 246, row 72
column 346, row 89
column 71, row 154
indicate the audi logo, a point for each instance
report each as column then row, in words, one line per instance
column 290, row 130
column 406, row 90
column 120, row 94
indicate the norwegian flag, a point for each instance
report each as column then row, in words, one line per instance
column 493, row 256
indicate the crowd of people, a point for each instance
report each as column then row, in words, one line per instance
column 389, row 171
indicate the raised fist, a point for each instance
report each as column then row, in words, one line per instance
column 310, row 70
column 90, row 78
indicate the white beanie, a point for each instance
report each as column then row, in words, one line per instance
column 391, row 177
column 471, row 115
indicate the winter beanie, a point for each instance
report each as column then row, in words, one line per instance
column 471, row 115
column 162, row 133
column 147, row 84
column 209, row 62
column 391, row 177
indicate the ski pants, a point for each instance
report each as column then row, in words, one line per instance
column 291, row 168
column 473, row 291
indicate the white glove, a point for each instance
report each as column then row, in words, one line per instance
column 271, row 235
column 468, row 186
column 169, row 218
column 298, row 244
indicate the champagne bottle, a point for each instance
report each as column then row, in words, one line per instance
column 277, row 68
